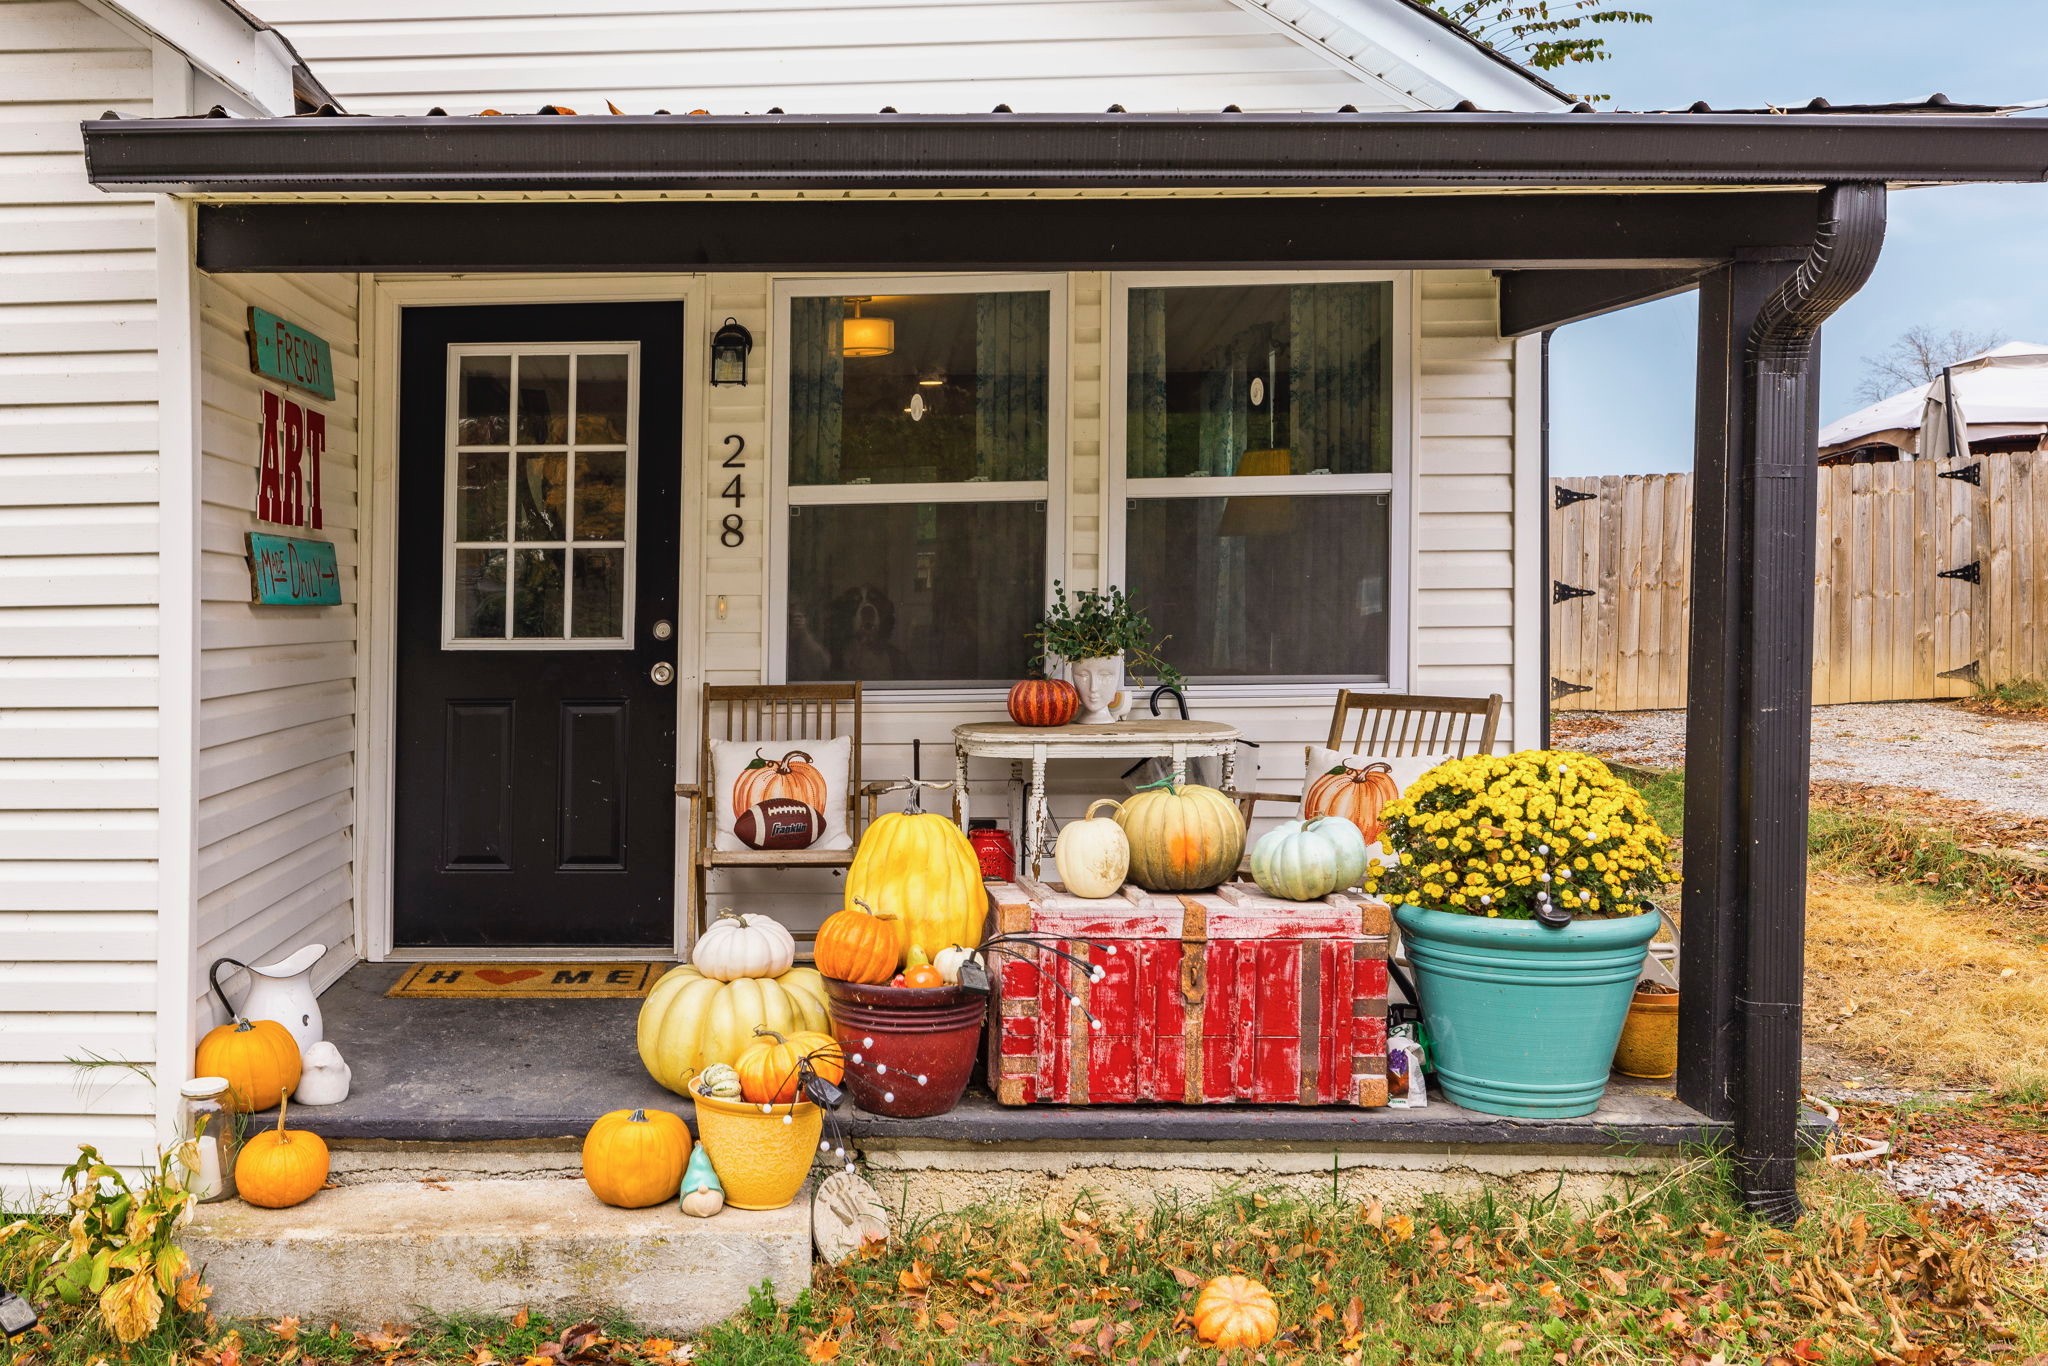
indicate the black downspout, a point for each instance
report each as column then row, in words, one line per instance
column 1779, row 474
column 1549, row 612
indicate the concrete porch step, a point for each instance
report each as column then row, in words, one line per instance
column 381, row 1252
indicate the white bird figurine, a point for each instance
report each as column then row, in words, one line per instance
column 324, row 1077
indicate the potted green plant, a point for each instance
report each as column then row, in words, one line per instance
column 1100, row 637
column 1522, row 885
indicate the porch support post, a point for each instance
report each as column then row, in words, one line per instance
column 1752, row 679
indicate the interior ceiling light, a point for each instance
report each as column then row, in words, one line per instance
column 861, row 336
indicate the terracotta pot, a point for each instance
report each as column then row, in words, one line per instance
column 909, row 1051
column 1649, row 1036
column 762, row 1156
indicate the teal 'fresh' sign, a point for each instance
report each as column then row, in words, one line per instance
column 290, row 354
column 289, row 572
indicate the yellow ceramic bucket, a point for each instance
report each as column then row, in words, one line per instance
column 761, row 1158
column 1649, row 1036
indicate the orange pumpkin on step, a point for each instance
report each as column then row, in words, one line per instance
column 793, row 776
column 259, row 1058
column 280, row 1168
column 1358, row 794
column 768, row 1065
column 856, row 945
column 635, row 1158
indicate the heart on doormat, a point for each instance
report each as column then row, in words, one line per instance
column 505, row 977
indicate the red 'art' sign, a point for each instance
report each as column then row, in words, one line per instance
column 294, row 439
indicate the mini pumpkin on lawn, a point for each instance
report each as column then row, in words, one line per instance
column 691, row 1019
column 1236, row 1311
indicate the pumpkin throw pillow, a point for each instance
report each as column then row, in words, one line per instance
column 814, row 772
column 1358, row 786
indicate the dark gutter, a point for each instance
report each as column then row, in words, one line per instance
column 541, row 153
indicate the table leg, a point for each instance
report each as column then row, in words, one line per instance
column 1230, row 768
column 960, row 784
column 1035, row 809
column 1180, row 765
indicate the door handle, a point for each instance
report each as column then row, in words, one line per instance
column 663, row 673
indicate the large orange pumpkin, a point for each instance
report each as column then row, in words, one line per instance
column 856, row 945
column 793, row 776
column 259, row 1058
column 1356, row 794
column 768, row 1065
column 1183, row 839
column 1236, row 1311
column 1044, row 702
column 635, row 1158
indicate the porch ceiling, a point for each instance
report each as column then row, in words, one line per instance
column 1115, row 151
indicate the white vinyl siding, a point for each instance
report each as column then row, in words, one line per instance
column 78, row 595
column 277, row 710
column 843, row 56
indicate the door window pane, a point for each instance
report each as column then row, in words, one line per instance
column 600, row 606
column 601, row 399
column 543, row 400
column 484, row 401
column 914, row 592
column 920, row 388
column 1268, row 379
column 537, row 594
column 480, row 594
column 1264, row 587
column 600, row 495
column 480, row 496
column 542, row 491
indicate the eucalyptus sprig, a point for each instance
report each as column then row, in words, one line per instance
column 1094, row 625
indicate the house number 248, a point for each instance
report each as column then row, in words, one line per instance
column 733, row 529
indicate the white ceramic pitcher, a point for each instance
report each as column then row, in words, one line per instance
column 280, row 991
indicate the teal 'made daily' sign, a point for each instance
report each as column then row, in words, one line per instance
column 290, row 572
column 290, row 354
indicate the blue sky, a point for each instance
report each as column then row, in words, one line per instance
column 1975, row 258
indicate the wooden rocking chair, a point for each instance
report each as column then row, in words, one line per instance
column 1397, row 725
column 772, row 714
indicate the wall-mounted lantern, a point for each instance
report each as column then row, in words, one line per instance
column 729, row 348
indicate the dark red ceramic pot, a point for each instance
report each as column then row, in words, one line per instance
column 909, row 1050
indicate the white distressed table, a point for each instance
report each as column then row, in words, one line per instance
column 1174, row 740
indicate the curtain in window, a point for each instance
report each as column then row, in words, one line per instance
column 1342, row 417
column 817, row 381
column 1012, row 349
column 1145, row 386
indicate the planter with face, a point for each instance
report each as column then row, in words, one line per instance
column 1100, row 681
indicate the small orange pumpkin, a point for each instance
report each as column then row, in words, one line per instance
column 635, row 1158
column 1044, row 702
column 856, row 945
column 768, row 1065
column 1356, row 794
column 793, row 776
column 280, row 1168
column 259, row 1058
column 1236, row 1311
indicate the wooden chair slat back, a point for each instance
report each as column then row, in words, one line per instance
column 1403, row 726
column 783, row 713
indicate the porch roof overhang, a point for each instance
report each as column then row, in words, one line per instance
column 1115, row 152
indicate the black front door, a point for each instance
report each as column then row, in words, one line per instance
column 538, row 468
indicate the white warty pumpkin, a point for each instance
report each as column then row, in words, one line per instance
column 736, row 946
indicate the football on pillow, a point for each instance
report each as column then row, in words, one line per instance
column 779, row 823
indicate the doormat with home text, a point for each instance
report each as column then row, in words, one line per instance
column 529, row 981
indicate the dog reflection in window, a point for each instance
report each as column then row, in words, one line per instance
column 854, row 637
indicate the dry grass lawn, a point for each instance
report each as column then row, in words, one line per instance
column 1930, row 995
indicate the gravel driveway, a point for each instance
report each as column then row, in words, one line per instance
column 1999, row 762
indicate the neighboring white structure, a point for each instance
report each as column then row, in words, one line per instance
column 186, row 776
column 2002, row 396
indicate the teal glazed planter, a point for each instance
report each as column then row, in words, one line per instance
column 1523, row 1019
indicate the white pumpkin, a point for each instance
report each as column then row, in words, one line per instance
column 950, row 960
column 1093, row 854
column 1298, row 863
column 736, row 946
column 1352, row 854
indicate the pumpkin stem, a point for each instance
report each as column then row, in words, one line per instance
column 727, row 913
column 879, row 915
column 637, row 1117
column 1166, row 782
column 763, row 1031
column 243, row 1024
column 284, row 1099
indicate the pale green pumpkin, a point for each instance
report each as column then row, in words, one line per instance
column 1302, row 863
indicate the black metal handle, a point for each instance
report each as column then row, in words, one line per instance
column 213, row 977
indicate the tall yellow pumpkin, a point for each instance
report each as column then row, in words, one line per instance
column 919, row 868
column 1183, row 839
column 690, row 1021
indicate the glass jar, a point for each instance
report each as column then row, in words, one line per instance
column 206, row 1116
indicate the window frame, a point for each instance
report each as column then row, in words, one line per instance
column 452, row 451
column 782, row 495
column 1398, row 484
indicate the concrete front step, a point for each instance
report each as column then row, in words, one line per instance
column 390, row 1252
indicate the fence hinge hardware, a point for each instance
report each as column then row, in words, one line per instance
column 1560, row 688
column 1969, row 474
column 1566, row 497
column 1560, row 591
column 1969, row 573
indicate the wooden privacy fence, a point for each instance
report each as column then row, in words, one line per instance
column 1929, row 579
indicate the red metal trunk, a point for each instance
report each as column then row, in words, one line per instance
column 1205, row 998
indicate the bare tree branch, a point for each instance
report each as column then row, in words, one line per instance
column 1917, row 357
